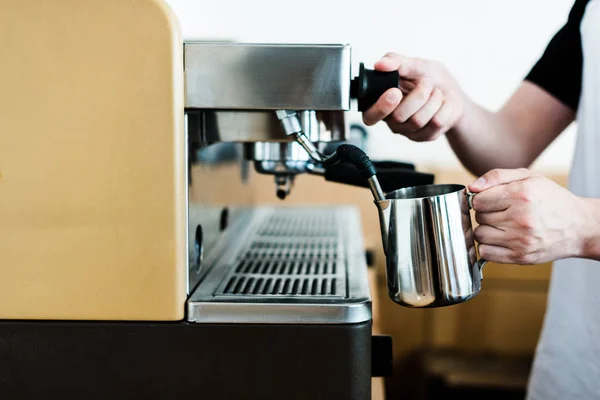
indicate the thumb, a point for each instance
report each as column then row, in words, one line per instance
column 497, row 177
column 408, row 68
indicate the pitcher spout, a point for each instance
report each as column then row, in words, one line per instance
column 384, row 208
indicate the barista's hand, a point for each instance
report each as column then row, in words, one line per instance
column 525, row 218
column 429, row 103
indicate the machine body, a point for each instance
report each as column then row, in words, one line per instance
column 130, row 249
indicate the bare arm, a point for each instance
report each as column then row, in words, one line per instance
column 431, row 103
column 591, row 232
column 514, row 136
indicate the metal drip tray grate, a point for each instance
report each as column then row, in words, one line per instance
column 286, row 265
column 292, row 255
column 320, row 247
column 281, row 286
column 301, row 224
column 269, row 265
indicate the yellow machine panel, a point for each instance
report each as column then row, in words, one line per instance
column 93, row 180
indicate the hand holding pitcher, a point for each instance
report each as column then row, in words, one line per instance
column 525, row 218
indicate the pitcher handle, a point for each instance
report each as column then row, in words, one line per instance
column 470, row 195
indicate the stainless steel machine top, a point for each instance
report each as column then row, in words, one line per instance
column 234, row 76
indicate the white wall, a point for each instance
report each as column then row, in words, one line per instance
column 489, row 45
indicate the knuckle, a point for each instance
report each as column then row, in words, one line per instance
column 419, row 62
column 429, row 66
column 438, row 95
column 438, row 122
column 526, row 258
column 494, row 175
column 520, row 258
column 403, row 69
column 392, row 100
column 484, row 252
column 524, row 193
column 424, row 90
column 527, row 196
column 525, row 222
column 526, row 242
column 436, row 135
column 399, row 117
column 478, row 234
column 479, row 218
column 418, row 121
column 432, row 136
column 477, row 206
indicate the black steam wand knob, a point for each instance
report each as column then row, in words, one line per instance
column 370, row 84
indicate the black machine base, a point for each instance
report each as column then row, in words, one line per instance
column 113, row 360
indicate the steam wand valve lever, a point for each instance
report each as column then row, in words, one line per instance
column 291, row 126
column 345, row 152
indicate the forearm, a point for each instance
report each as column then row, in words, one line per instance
column 514, row 136
column 590, row 230
column 483, row 140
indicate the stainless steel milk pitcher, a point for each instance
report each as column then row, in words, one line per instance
column 427, row 236
column 428, row 239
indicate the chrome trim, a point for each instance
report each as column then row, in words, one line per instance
column 188, row 252
column 245, row 126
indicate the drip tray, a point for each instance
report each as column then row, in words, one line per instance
column 312, row 264
column 282, row 283
column 292, row 265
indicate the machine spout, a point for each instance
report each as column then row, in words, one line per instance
column 283, row 184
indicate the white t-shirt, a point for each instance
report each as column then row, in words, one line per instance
column 567, row 361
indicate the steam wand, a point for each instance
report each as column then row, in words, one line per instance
column 349, row 153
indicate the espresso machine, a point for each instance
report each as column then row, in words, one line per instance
column 124, row 271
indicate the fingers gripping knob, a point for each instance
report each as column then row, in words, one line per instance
column 370, row 84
